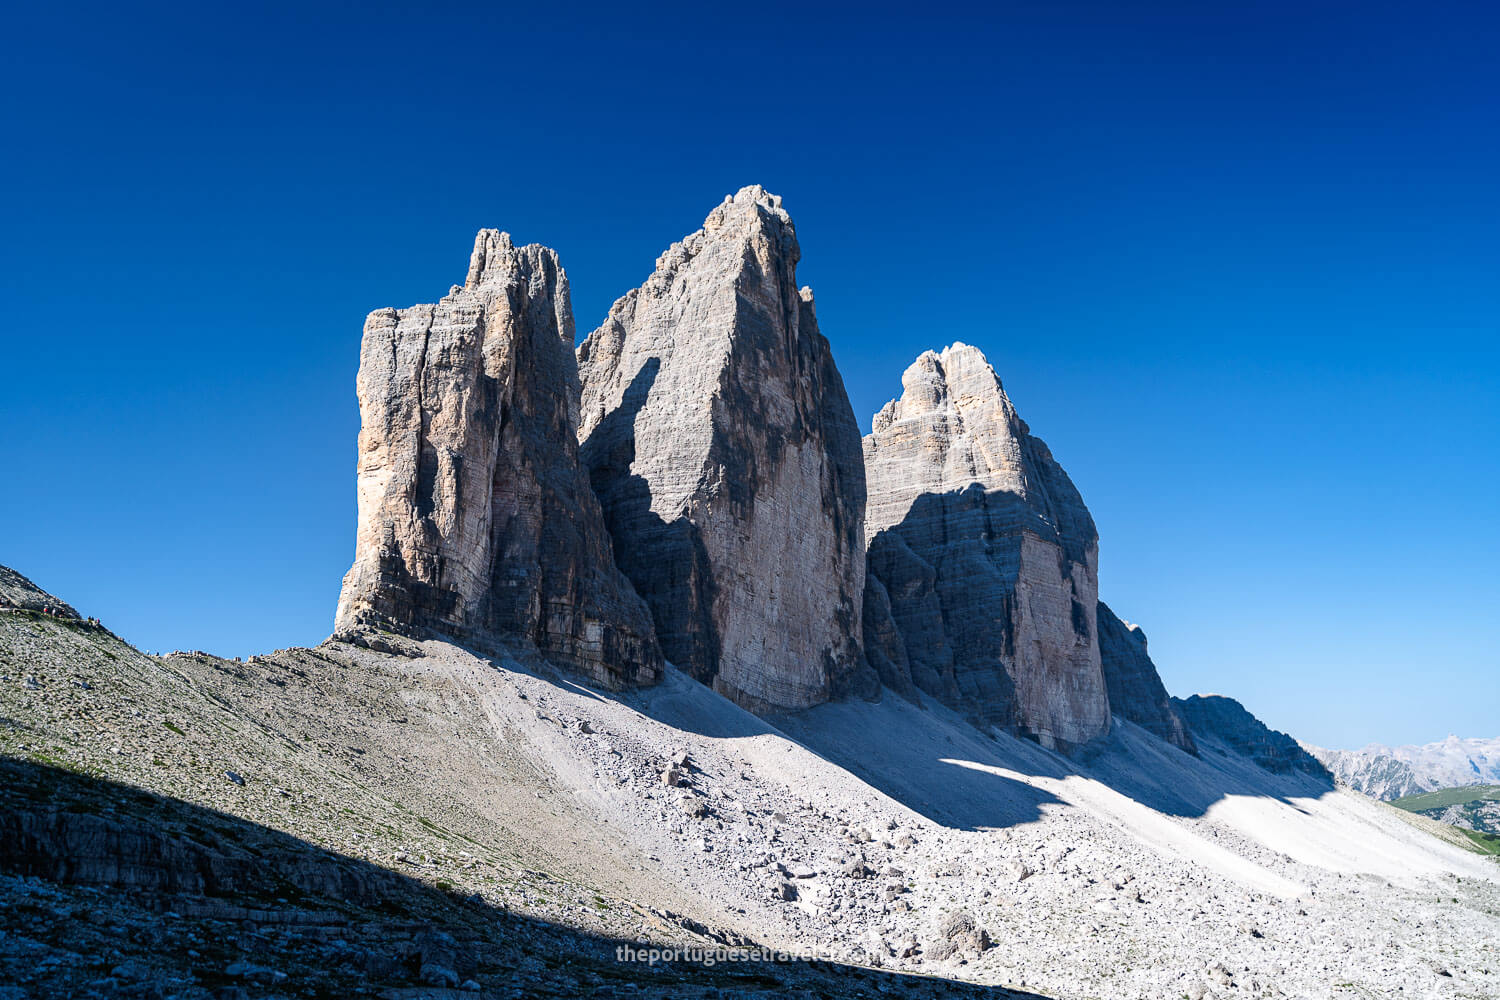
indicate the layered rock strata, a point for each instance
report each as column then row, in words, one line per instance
column 725, row 453
column 476, row 520
column 1135, row 688
column 983, row 559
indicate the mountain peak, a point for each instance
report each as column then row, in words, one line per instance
column 983, row 559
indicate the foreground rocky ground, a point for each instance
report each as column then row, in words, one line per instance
column 418, row 820
column 162, row 835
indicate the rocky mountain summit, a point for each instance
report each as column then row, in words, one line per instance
column 643, row 647
column 983, row 558
column 722, row 446
column 692, row 486
column 476, row 520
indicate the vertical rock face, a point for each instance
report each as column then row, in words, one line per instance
column 722, row 445
column 985, row 557
column 1135, row 688
column 475, row 517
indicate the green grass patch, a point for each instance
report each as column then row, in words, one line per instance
column 1484, row 843
column 174, row 729
column 1445, row 797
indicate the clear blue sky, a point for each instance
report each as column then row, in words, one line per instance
column 1239, row 264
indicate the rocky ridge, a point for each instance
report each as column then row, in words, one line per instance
column 1387, row 772
column 18, row 592
column 1226, row 721
column 693, row 484
column 721, row 443
column 476, row 520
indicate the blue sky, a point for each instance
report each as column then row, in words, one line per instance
column 1237, row 264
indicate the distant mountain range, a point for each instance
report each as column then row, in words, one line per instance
column 1394, row 772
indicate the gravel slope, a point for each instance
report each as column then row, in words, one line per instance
column 879, row 835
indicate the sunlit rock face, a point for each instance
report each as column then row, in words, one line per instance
column 723, row 448
column 983, row 561
column 1135, row 688
column 476, row 520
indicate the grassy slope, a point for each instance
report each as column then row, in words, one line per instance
column 1483, row 843
column 1445, row 797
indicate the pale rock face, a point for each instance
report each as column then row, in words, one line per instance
column 985, row 556
column 1135, row 688
column 723, row 448
column 476, row 520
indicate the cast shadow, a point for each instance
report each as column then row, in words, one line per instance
column 133, row 887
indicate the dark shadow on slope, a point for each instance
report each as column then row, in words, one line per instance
column 1148, row 769
column 939, row 764
column 936, row 763
column 919, row 756
column 161, row 896
column 905, row 758
column 941, row 601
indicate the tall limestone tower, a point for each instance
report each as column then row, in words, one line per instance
column 476, row 521
column 723, row 447
column 984, row 562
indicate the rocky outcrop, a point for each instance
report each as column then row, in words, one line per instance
column 722, row 445
column 18, row 592
column 985, row 557
column 1135, row 688
column 1213, row 717
column 476, row 520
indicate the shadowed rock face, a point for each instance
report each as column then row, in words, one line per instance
column 722, row 446
column 1135, row 688
column 1215, row 717
column 983, row 560
column 476, row 520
